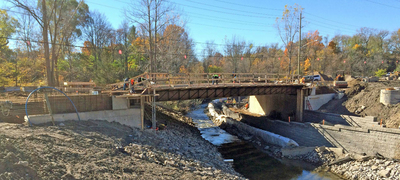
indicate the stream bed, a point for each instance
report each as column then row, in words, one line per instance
column 250, row 161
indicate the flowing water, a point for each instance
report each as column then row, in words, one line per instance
column 248, row 160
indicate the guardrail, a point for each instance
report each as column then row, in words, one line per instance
column 198, row 79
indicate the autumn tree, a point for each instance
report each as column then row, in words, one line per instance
column 151, row 17
column 312, row 47
column 125, row 35
column 174, row 49
column 57, row 20
column 288, row 26
column 8, row 27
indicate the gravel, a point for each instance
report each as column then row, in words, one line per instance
column 102, row 150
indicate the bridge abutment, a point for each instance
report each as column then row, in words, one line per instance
column 279, row 106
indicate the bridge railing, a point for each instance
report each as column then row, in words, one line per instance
column 197, row 79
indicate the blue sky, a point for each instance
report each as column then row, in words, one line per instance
column 253, row 20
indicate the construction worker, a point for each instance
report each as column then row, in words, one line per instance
column 126, row 85
column 215, row 79
column 302, row 80
column 132, row 90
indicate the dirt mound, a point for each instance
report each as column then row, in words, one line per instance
column 367, row 102
column 103, row 150
column 355, row 88
column 363, row 99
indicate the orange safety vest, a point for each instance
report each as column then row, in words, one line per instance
column 132, row 81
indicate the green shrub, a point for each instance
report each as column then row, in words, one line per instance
column 380, row 72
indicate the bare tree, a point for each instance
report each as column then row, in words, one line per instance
column 234, row 50
column 288, row 26
column 151, row 17
column 97, row 31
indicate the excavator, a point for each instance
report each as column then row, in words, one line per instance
column 340, row 80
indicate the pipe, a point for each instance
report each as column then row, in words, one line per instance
column 26, row 103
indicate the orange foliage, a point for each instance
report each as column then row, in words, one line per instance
column 86, row 50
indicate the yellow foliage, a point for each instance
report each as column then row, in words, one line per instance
column 307, row 66
column 182, row 69
column 370, row 53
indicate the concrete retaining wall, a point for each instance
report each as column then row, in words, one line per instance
column 129, row 117
column 372, row 140
column 331, row 119
column 303, row 133
column 317, row 101
column 384, row 141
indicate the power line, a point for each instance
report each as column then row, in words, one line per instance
column 195, row 23
column 84, row 47
column 330, row 20
column 229, row 27
column 226, row 19
column 332, row 27
column 244, row 5
column 382, row 4
column 104, row 5
column 219, row 7
column 237, row 14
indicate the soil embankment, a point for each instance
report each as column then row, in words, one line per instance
column 101, row 150
column 363, row 99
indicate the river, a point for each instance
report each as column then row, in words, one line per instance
column 248, row 160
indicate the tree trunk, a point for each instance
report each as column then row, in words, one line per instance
column 46, row 44
column 54, row 56
column 150, row 38
column 155, row 37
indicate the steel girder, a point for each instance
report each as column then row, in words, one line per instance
column 171, row 94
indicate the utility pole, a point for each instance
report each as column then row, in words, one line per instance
column 298, row 54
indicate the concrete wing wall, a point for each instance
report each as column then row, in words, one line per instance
column 129, row 117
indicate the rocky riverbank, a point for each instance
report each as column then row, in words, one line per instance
column 347, row 166
column 102, row 150
column 362, row 167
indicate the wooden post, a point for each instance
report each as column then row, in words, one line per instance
column 142, row 111
column 153, row 117
column 208, row 79
column 266, row 79
column 49, row 107
column 300, row 105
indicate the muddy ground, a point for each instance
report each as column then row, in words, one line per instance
column 102, row 150
column 361, row 94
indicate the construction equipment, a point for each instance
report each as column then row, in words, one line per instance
column 392, row 75
column 340, row 80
